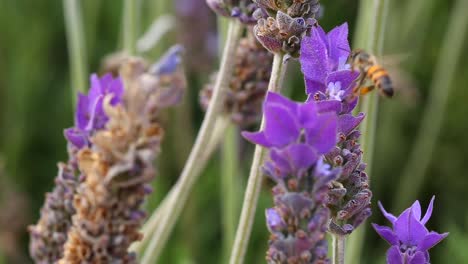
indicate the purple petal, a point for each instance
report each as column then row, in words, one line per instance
column 418, row 258
column 323, row 134
column 274, row 221
column 347, row 123
column 76, row 137
column 82, row 115
column 280, row 161
column 256, row 138
column 416, row 207
column 313, row 87
column 329, row 106
column 116, row 88
column 387, row 215
column 98, row 118
column 106, row 81
column 431, row 240
column 96, row 89
column 308, row 113
column 386, row 233
column 338, row 43
column 276, row 98
column 408, row 229
column 301, row 156
column 394, row 256
column 314, row 58
column 428, row 212
column 169, row 62
column 323, row 36
column 281, row 127
column 345, row 77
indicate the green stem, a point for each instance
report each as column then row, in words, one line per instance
column 130, row 25
column 188, row 177
column 152, row 223
column 375, row 40
column 229, row 187
column 338, row 248
column 76, row 46
column 254, row 183
column 446, row 69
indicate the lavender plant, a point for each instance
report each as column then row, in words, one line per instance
column 111, row 185
column 119, row 165
column 50, row 233
column 409, row 238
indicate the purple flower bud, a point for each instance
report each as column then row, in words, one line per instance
column 408, row 236
column 282, row 33
column 274, row 221
column 239, row 9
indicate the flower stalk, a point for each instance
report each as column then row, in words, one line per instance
column 338, row 247
column 254, row 183
column 229, row 187
column 76, row 46
column 130, row 25
column 189, row 175
column 152, row 223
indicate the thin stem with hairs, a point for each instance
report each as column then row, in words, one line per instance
column 188, row 176
column 130, row 25
column 254, row 183
column 152, row 223
column 339, row 243
column 76, row 46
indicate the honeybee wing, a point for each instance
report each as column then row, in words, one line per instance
column 404, row 84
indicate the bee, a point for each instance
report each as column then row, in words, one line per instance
column 369, row 69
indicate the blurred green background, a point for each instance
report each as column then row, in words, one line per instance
column 427, row 40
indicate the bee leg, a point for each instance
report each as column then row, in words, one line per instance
column 366, row 89
column 359, row 84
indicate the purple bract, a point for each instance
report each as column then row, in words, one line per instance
column 290, row 124
column 323, row 62
column 409, row 237
column 90, row 115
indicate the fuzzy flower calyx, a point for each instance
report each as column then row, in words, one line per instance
column 281, row 25
column 242, row 10
column 409, row 238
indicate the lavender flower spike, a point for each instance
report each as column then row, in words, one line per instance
column 409, row 237
column 329, row 81
column 297, row 135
